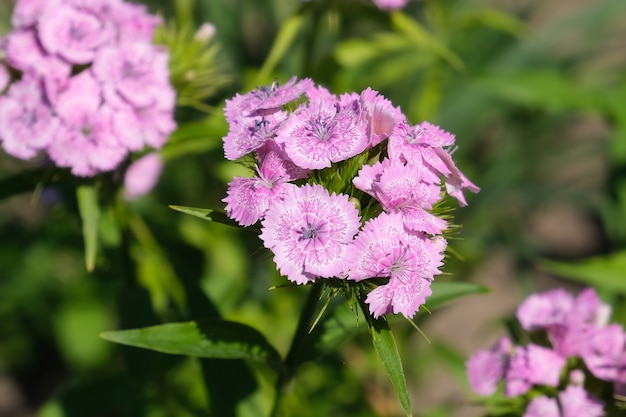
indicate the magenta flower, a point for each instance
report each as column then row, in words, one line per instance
column 390, row 4
column 72, row 33
column 249, row 134
column 136, row 71
column 384, row 248
column 400, row 188
column 577, row 402
column 486, row 368
column 531, row 365
column 319, row 134
column 27, row 124
column 382, row 117
column 309, row 233
column 248, row 199
column 604, row 350
column 27, row 12
column 85, row 141
column 142, row 175
column 266, row 100
column 542, row 406
column 417, row 145
column 540, row 311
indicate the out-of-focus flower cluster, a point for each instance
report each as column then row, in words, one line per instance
column 578, row 341
column 91, row 86
column 344, row 188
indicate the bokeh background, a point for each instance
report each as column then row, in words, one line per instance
column 535, row 92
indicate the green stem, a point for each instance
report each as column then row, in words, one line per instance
column 292, row 361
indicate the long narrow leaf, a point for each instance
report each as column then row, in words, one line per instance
column 605, row 272
column 208, row 338
column 206, row 214
column 385, row 346
column 87, row 197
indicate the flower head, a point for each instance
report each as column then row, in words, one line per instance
column 384, row 248
column 486, row 368
column 309, row 233
column 321, row 133
column 400, row 188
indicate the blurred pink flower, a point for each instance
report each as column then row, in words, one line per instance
column 142, row 175
column 27, row 124
column 390, row 4
column 72, row 33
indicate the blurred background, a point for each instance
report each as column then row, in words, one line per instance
column 535, row 92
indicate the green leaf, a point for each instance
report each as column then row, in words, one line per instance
column 206, row 214
column 385, row 346
column 605, row 272
column 424, row 39
column 207, row 338
column 89, row 210
column 494, row 19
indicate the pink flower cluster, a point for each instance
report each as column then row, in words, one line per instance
column 92, row 87
column 343, row 187
column 575, row 327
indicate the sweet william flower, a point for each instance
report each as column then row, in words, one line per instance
column 384, row 248
column 321, row 133
column 486, row 368
column 266, row 99
column 136, row 71
column 531, row 365
column 72, row 33
column 85, row 141
column 309, row 233
column 248, row 134
column 400, row 188
column 390, row 4
column 248, row 199
column 27, row 124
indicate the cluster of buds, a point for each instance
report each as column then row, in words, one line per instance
column 577, row 340
column 89, row 85
column 344, row 188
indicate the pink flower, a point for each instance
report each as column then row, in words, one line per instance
column 248, row 199
column 309, row 233
column 400, row 188
column 142, row 175
column 136, row 71
column 319, row 134
column 542, row 406
column 486, row 368
column 266, row 100
column 540, row 311
column 85, row 141
column 530, row 365
column 381, row 115
column 384, row 248
column 390, row 4
column 27, row 12
column 604, row 351
column 72, row 33
column 27, row 124
column 576, row 402
column 248, row 134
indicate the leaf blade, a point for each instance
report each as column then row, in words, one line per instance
column 207, row 338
